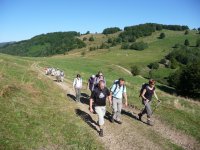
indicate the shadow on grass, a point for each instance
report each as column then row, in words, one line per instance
column 87, row 118
column 85, row 99
column 71, row 97
column 166, row 89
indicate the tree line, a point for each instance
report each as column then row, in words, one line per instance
column 45, row 44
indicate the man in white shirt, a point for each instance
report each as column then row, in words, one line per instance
column 77, row 84
column 118, row 91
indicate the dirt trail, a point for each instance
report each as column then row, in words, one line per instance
column 129, row 135
column 124, row 69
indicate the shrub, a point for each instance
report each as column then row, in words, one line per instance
column 135, row 70
column 125, row 46
column 198, row 43
column 186, row 32
column 186, row 43
column 111, row 30
column 154, row 65
column 84, row 39
column 162, row 35
column 91, row 38
column 139, row 46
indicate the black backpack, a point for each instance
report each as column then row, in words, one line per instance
column 144, row 85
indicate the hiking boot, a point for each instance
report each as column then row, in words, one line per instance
column 101, row 133
column 112, row 120
column 140, row 116
column 119, row 122
column 149, row 122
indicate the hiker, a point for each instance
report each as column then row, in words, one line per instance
column 91, row 83
column 98, row 78
column 58, row 75
column 147, row 91
column 118, row 91
column 98, row 97
column 53, row 72
column 77, row 84
column 62, row 75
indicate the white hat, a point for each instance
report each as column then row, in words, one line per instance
column 93, row 76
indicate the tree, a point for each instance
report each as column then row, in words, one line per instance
column 186, row 43
column 139, row 46
column 154, row 65
column 198, row 43
column 111, row 30
column 186, row 80
column 91, row 38
column 84, row 39
column 199, row 30
column 186, row 32
column 125, row 46
column 162, row 35
column 88, row 32
column 135, row 70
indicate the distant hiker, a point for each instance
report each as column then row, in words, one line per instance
column 53, row 71
column 58, row 75
column 98, row 97
column 147, row 92
column 91, row 83
column 62, row 75
column 118, row 91
column 98, row 78
column 77, row 84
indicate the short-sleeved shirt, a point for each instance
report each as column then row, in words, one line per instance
column 149, row 93
column 118, row 91
column 99, row 96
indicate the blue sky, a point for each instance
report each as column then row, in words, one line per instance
column 23, row 19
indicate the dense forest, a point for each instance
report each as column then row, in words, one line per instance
column 45, row 45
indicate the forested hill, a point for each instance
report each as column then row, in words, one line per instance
column 62, row 42
column 45, row 44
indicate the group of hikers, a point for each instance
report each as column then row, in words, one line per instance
column 59, row 74
column 100, row 93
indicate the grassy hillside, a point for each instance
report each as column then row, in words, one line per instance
column 34, row 114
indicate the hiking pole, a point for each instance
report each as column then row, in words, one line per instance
column 156, row 107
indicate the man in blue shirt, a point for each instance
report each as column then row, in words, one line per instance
column 118, row 91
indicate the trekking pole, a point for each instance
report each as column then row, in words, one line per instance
column 156, row 107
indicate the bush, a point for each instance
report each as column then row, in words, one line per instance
column 162, row 35
column 174, row 64
column 163, row 61
column 177, row 46
column 92, row 49
column 110, row 40
column 104, row 46
column 154, row 65
column 125, row 46
column 187, row 80
column 186, row 43
column 83, row 53
column 198, row 43
column 111, row 30
column 84, row 39
column 186, row 32
column 91, row 38
column 139, row 46
column 135, row 70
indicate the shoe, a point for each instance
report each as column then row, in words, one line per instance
column 149, row 123
column 140, row 116
column 112, row 120
column 101, row 133
column 119, row 122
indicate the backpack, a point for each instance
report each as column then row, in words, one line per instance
column 116, row 82
column 62, row 73
column 144, row 85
